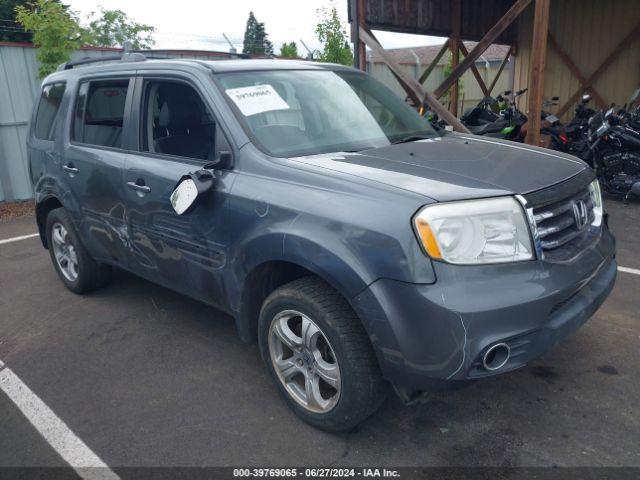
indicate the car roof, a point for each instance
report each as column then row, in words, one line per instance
column 216, row 66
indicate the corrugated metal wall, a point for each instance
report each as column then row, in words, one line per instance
column 470, row 88
column 19, row 89
column 587, row 30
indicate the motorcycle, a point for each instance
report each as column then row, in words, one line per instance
column 614, row 153
column 498, row 118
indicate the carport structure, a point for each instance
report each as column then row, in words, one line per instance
column 560, row 47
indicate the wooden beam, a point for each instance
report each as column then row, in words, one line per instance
column 476, row 73
column 359, row 49
column 573, row 68
column 410, row 84
column 362, row 51
column 454, row 41
column 502, row 65
column 495, row 31
column 593, row 78
column 434, row 64
column 536, row 69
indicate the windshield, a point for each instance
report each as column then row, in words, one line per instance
column 306, row 112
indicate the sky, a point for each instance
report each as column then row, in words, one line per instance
column 199, row 24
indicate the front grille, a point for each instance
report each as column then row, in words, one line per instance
column 563, row 216
column 558, row 223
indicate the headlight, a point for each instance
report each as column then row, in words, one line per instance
column 494, row 230
column 596, row 198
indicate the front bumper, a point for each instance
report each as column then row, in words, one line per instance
column 429, row 337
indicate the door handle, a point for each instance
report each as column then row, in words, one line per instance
column 138, row 187
column 69, row 168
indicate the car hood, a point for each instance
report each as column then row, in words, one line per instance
column 456, row 166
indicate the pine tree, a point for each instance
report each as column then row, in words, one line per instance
column 256, row 41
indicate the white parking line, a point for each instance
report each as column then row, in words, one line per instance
column 629, row 270
column 73, row 450
column 17, row 239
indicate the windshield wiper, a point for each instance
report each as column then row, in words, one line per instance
column 411, row 138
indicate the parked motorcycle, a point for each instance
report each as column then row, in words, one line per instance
column 496, row 117
column 614, row 153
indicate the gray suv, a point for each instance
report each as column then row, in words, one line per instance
column 357, row 246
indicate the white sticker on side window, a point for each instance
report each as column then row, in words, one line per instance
column 257, row 99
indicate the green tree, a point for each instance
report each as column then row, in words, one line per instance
column 56, row 32
column 112, row 28
column 289, row 50
column 333, row 38
column 256, row 40
column 10, row 29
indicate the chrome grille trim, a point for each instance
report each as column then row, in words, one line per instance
column 557, row 223
column 560, row 228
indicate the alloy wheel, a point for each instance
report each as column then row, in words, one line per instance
column 64, row 252
column 304, row 361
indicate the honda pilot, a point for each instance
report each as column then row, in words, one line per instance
column 357, row 246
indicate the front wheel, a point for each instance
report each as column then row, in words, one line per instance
column 319, row 355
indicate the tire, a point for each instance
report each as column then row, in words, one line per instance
column 82, row 275
column 340, row 352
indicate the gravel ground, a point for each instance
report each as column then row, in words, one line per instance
column 13, row 210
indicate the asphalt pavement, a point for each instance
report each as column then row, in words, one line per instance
column 146, row 377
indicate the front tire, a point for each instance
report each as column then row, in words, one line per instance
column 76, row 268
column 319, row 355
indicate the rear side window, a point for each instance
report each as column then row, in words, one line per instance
column 48, row 111
column 99, row 113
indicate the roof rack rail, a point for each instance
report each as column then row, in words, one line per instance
column 125, row 57
column 165, row 54
column 129, row 55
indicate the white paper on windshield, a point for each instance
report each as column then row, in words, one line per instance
column 257, row 99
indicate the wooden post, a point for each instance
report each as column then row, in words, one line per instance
column 495, row 31
column 410, row 84
column 359, row 48
column 536, row 69
column 363, row 49
column 454, row 41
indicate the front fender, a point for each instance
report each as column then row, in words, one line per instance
column 342, row 272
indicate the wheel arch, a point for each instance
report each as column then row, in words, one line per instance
column 268, row 274
column 43, row 207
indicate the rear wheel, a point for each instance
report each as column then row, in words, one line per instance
column 319, row 355
column 76, row 268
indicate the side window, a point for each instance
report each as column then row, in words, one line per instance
column 175, row 121
column 99, row 113
column 46, row 118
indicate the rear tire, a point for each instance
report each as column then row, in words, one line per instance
column 320, row 356
column 76, row 268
